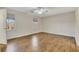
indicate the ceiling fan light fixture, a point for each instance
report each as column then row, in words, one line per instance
column 39, row 10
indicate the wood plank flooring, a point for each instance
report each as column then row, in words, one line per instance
column 42, row 42
column 2, row 47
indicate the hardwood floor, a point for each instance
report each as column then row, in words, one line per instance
column 2, row 47
column 42, row 42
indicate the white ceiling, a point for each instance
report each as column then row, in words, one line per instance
column 51, row 10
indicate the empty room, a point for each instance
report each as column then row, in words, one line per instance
column 39, row 29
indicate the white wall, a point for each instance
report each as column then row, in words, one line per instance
column 3, row 13
column 77, row 27
column 24, row 25
column 63, row 24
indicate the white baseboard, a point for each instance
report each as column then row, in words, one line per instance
column 62, row 34
column 34, row 33
column 20, row 35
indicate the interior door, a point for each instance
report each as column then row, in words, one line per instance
column 3, row 14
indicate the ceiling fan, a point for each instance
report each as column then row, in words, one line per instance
column 39, row 10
